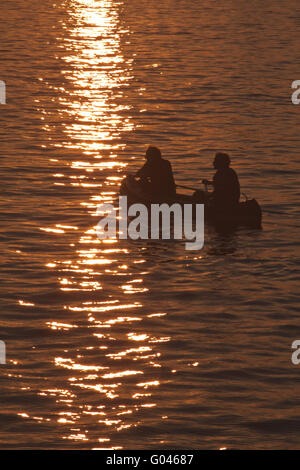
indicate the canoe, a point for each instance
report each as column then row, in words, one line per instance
column 248, row 213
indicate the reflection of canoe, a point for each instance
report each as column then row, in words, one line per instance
column 247, row 214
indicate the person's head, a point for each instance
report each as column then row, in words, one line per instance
column 221, row 161
column 153, row 153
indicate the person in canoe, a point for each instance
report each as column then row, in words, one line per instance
column 156, row 175
column 226, row 194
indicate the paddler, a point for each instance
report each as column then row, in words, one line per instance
column 157, row 176
column 226, row 194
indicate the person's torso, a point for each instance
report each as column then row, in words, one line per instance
column 161, row 176
column 226, row 186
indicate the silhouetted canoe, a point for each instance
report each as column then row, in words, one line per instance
column 248, row 213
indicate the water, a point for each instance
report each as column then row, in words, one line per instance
column 129, row 345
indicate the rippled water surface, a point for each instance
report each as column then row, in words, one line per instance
column 123, row 344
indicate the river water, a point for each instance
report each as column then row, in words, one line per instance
column 142, row 345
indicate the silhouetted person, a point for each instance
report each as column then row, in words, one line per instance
column 226, row 194
column 157, row 175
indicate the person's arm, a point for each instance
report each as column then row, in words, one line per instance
column 172, row 179
column 207, row 182
column 143, row 172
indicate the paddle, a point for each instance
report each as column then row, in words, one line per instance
column 185, row 187
column 192, row 189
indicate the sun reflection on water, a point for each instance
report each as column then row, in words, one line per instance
column 101, row 354
column 98, row 71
